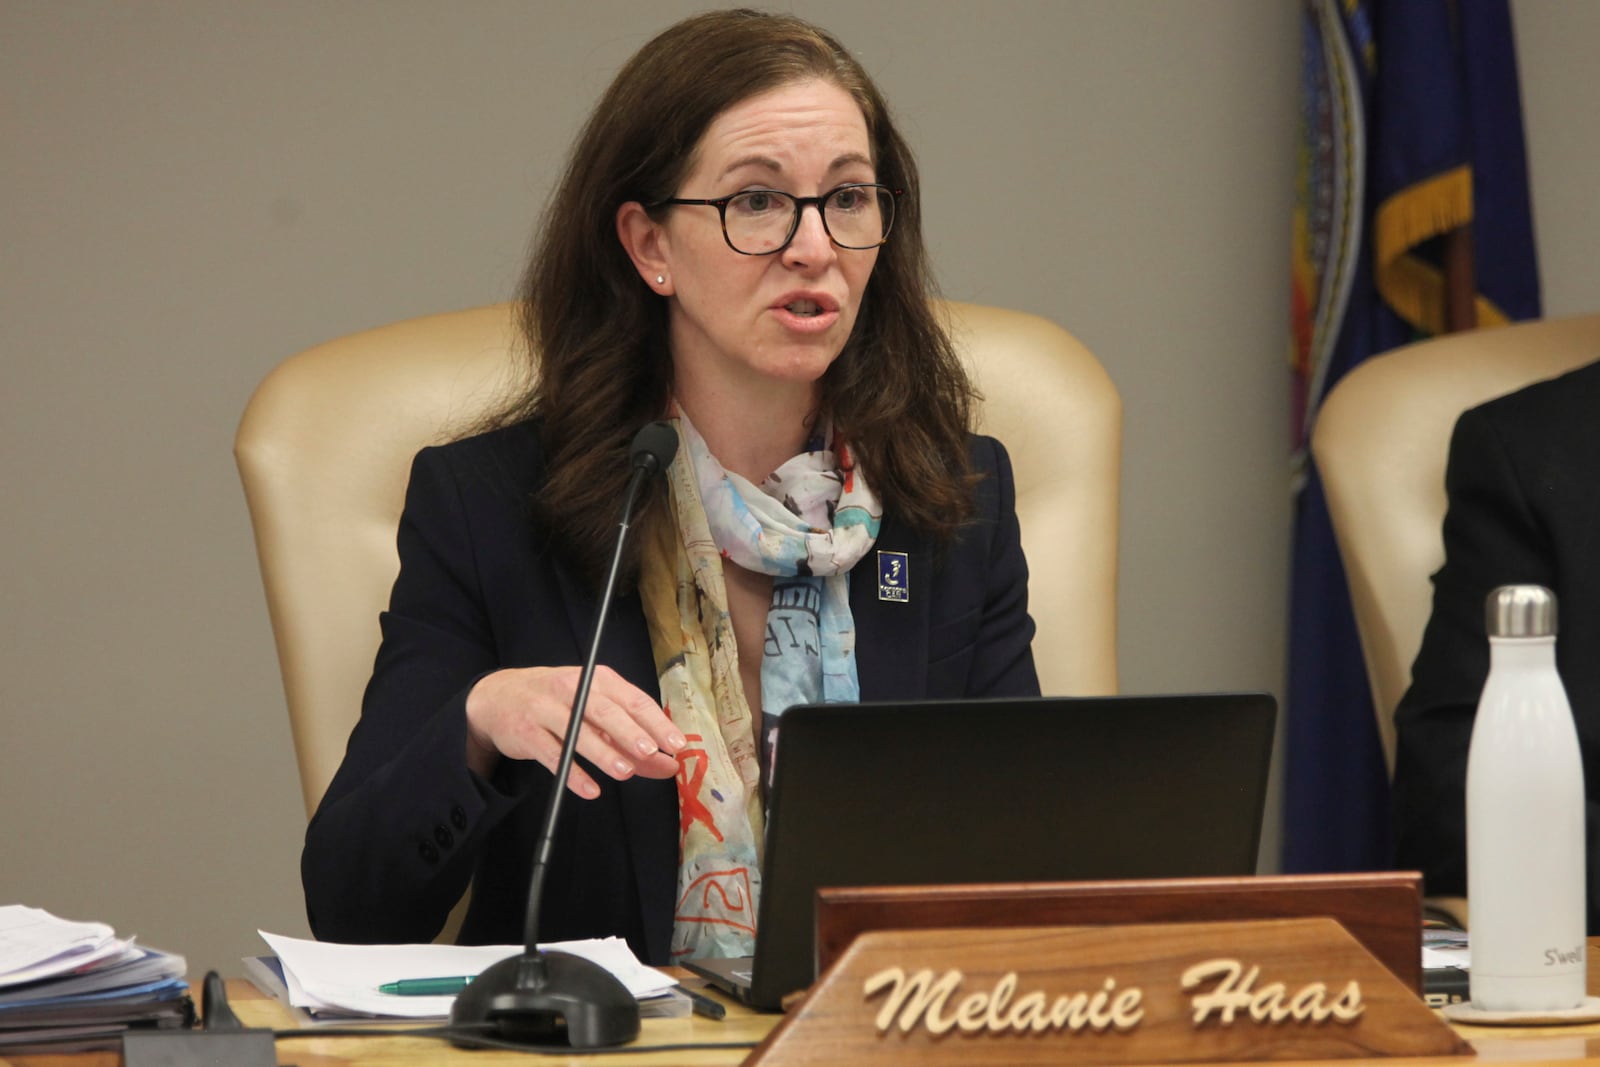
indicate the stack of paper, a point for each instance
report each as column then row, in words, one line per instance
column 68, row 986
column 326, row 979
column 1446, row 967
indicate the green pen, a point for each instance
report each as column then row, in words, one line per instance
column 425, row 987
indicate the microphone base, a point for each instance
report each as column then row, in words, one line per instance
column 554, row 998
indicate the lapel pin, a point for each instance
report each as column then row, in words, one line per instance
column 893, row 577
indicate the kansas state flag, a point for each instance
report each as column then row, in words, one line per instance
column 1411, row 127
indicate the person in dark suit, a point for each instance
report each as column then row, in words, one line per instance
column 1523, row 483
column 736, row 246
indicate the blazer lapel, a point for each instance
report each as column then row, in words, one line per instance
column 892, row 635
column 580, row 605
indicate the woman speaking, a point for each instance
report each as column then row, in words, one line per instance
column 735, row 246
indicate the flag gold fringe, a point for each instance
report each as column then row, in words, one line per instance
column 1422, row 284
column 1419, row 212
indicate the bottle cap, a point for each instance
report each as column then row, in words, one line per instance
column 1521, row 611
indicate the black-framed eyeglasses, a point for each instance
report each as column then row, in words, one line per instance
column 761, row 222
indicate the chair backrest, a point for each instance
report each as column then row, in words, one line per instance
column 1380, row 443
column 325, row 447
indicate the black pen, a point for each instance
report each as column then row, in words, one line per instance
column 702, row 1004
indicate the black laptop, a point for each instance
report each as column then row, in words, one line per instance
column 1017, row 790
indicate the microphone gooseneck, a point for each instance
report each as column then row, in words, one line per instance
column 539, row 998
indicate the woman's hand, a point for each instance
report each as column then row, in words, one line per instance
column 522, row 713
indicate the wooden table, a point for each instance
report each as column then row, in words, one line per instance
column 1559, row 1045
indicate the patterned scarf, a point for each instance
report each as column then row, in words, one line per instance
column 806, row 525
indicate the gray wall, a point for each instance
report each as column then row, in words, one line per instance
column 191, row 190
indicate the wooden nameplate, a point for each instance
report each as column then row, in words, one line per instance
column 1277, row 989
column 1382, row 909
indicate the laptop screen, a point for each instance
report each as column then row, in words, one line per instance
column 1007, row 790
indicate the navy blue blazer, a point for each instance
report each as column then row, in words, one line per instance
column 1523, row 481
column 405, row 825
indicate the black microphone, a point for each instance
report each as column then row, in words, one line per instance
column 539, row 998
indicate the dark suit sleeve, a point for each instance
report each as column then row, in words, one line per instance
column 1002, row 664
column 1492, row 537
column 391, row 846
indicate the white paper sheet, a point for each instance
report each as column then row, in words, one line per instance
column 1446, row 948
column 324, row 976
column 35, row 944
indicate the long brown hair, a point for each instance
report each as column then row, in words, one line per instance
column 598, row 334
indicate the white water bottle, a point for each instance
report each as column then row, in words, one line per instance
column 1525, row 818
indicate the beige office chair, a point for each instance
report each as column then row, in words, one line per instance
column 1381, row 441
column 326, row 442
